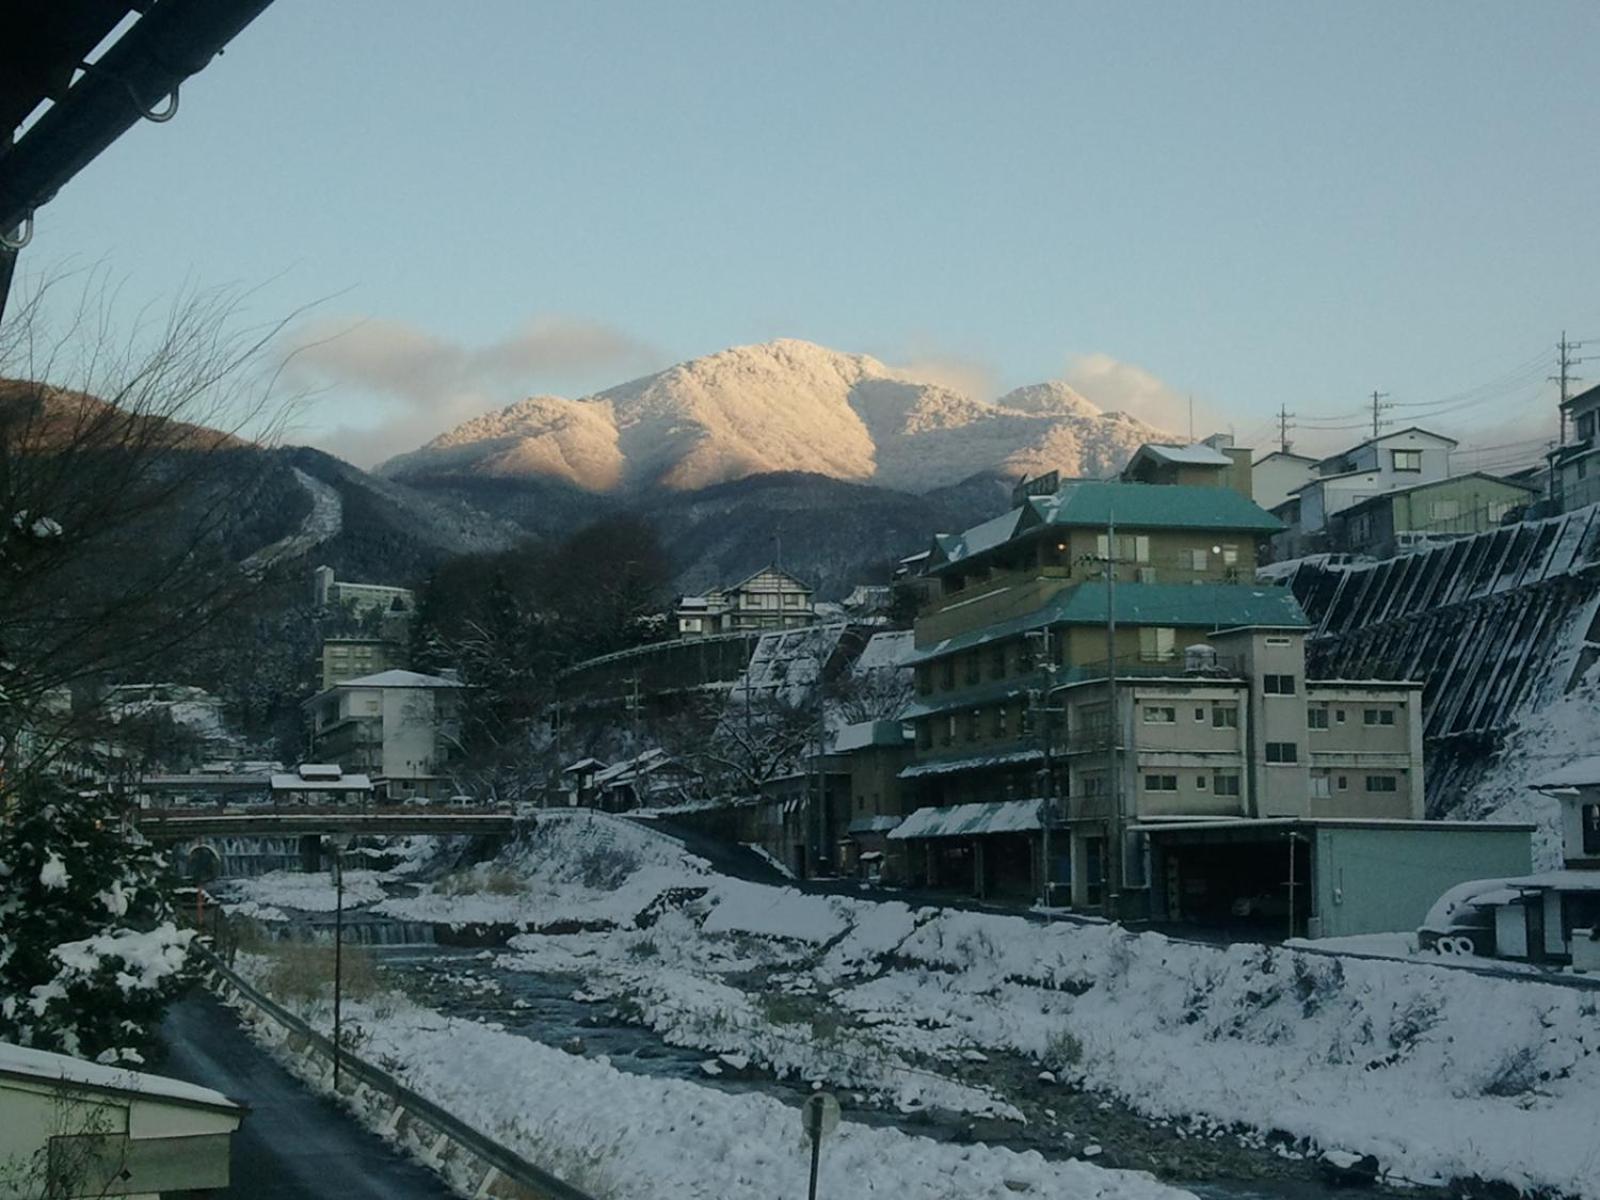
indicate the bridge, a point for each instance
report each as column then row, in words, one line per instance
column 184, row 824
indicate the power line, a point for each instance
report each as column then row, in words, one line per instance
column 1283, row 428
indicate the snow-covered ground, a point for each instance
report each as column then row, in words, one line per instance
column 1439, row 1073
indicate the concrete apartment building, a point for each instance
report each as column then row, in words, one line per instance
column 770, row 599
column 400, row 727
column 328, row 591
column 1213, row 722
column 345, row 658
column 1275, row 476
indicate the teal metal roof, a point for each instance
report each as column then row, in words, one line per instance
column 1092, row 503
column 1180, row 605
column 1154, row 506
column 973, row 696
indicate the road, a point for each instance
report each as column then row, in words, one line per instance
column 293, row 1145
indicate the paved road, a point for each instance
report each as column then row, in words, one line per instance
column 293, row 1145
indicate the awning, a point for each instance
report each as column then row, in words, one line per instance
column 878, row 824
column 974, row 762
column 971, row 820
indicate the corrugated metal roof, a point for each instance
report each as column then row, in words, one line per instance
column 952, row 764
column 1180, row 605
column 1154, row 506
column 970, row 820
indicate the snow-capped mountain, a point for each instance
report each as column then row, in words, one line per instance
column 785, row 406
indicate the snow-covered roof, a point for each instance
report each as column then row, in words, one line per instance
column 970, row 820
column 344, row 783
column 1582, row 772
column 319, row 771
column 969, row 762
column 582, row 764
column 892, row 648
column 27, row 1063
column 632, row 768
column 397, row 678
column 1197, row 454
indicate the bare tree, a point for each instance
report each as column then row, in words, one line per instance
column 124, row 461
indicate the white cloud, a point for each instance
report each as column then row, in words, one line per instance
column 1117, row 386
column 390, row 386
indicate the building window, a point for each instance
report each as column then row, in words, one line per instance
column 1282, row 752
column 1589, row 822
column 1160, row 783
column 1444, row 510
column 1279, row 641
column 997, row 662
column 1194, row 560
column 1224, row 716
column 972, row 725
column 1130, row 548
column 999, row 726
column 1317, row 716
column 1199, row 713
column 1156, row 714
column 1338, row 716
column 1278, row 685
column 1406, row 460
column 1344, row 783
column 949, row 729
column 924, row 679
column 1319, row 787
column 924, row 735
column 1377, row 716
column 947, row 672
column 1225, row 783
column 1382, row 783
column 1200, row 782
column 1586, row 427
column 1157, row 643
column 1230, row 556
column 974, row 667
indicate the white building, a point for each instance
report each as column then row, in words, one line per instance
column 1575, row 466
column 401, row 727
column 1547, row 917
column 330, row 592
column 1275, row 476
column 131, row 1134
column 1381, row 464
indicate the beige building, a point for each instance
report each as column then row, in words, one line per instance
column 352, row 657
column 770, row 599
column 400, row 727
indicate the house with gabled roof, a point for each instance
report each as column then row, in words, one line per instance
column 770, row 599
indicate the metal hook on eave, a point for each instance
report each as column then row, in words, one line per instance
column 150, row 114
column 12, row 244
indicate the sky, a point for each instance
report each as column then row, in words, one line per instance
column 1253, row 204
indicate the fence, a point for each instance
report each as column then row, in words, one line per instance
column 466, row 1158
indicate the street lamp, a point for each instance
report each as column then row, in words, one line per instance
column 337, row 843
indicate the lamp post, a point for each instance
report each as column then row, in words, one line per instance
column 337, row 843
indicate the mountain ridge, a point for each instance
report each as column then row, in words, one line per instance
column 775, row 407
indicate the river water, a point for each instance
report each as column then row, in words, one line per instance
column 466, row 982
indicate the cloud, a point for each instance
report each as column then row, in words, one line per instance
column 1114, row 385
column 968, row 376
column 394, row 386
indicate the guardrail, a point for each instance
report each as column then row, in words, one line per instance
column 462, row 1155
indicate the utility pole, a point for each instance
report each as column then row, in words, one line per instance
column 1047, row 668
column 1283, row 428
column 1565, row 378
column 1378, row 408
column 1113, row 792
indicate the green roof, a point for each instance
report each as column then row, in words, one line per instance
column 1213, row 606
column 1092, row 503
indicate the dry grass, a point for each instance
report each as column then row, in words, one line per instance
column 302, row 972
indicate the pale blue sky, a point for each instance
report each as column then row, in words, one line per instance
column 1258, row 203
